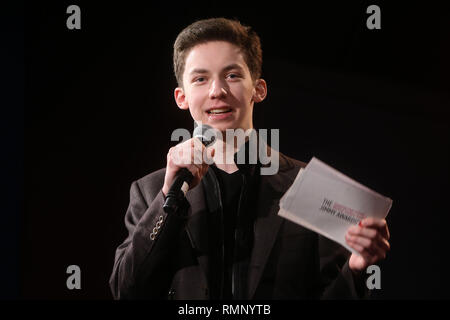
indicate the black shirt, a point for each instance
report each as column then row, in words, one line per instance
column 230, row 187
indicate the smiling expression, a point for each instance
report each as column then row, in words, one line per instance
column 218, row 88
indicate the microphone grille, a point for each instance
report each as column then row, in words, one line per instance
column 205, row 133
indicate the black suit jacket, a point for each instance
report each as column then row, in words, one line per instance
column 166, row 256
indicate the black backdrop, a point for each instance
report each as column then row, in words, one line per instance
column 99, row 112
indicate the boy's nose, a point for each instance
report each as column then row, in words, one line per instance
column 217, row 90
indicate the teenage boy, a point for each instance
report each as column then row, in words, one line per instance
column 226, row 241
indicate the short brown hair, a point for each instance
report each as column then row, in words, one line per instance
column 218, row 29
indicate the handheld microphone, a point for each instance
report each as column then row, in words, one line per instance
column 184, row 177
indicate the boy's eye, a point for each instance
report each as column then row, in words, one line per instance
column 199, row 79
column 232, row 75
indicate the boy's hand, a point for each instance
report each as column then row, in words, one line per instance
column 371, row 240
column 188, row 154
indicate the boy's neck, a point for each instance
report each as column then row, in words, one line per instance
column 228, row 168
column 224, row 153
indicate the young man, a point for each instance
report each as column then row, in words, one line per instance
column 226, row 241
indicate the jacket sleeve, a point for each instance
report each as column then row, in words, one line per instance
column 337, row 280
column 142, row 266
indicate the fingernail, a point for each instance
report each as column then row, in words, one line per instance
column 360, row 224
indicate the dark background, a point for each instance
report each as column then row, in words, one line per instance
column 99, row 112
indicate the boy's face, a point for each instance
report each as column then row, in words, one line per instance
column 217, row 88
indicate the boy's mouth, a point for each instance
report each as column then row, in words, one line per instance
column 218, row 110
column 219, row 113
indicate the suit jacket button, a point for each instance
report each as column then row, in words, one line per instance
column 171, row 294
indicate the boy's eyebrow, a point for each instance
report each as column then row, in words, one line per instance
column 198, row 70
column 227, row 68
column 232, row 66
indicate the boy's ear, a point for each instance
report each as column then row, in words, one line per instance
column 180, row 98
column 260, row 90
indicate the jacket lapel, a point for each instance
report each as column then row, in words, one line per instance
column 197, row 226
column 267, row 223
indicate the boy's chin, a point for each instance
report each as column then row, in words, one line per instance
column 224, row 128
